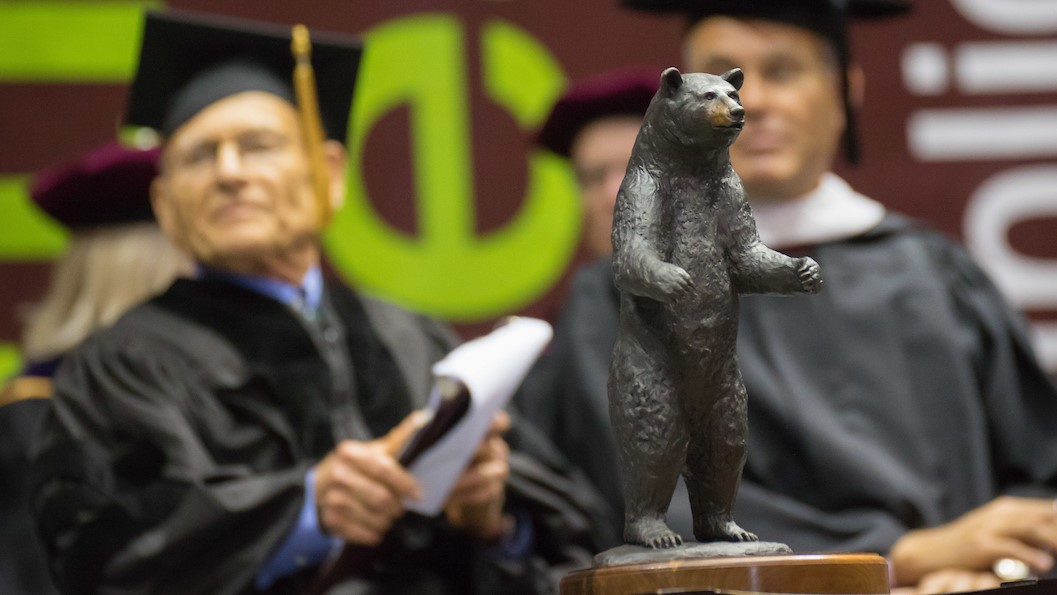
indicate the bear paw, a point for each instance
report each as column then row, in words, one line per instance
column 671, row 282
column 730, row 531
column 810, row 275
column 652, row 534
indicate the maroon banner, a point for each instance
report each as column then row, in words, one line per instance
column 959, row 124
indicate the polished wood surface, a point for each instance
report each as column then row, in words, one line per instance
column 865, row 574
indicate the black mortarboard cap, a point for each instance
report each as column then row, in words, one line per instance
column 191, row 60
column 822, row 16
column 828, row 18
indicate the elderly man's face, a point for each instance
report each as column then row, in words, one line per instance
column 600, row 154
column 794, row 115
column 235, row 185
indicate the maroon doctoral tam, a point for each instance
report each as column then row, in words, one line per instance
column 107, row 185
column 624, row 92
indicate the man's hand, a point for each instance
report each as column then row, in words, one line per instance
column 360, row 487
column 1007, row 527
column 951, row 581
column 476, row 502
column 957, row 581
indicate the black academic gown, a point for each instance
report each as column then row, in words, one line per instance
column 175, row 455
column 902, row 396
column 23, row 568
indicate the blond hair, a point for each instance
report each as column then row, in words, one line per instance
column 104, row 272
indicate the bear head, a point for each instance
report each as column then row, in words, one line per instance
column 699, row 109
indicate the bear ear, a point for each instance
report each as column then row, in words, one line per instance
column 735, row 77
column 671, row 79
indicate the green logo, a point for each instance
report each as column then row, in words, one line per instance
column 447, row 270
column 64, row 42
column 69, row 42
column 26, row 234
column 10, row 362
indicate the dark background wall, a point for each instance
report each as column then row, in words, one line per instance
column 451, row 209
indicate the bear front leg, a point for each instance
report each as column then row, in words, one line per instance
column 638, row 272
column 651, row 441
column 639, row 241
column 762, row 270
column 757, row 268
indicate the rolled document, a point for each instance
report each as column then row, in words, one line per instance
column 489, row 369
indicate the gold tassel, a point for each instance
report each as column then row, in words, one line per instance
column 308, row 110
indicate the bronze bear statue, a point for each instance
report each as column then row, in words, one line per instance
column 685, row 246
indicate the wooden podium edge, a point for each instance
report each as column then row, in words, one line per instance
column 829, row 574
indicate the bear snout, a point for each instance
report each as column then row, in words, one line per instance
column 732, row 118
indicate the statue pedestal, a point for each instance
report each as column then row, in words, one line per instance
column 843, row 573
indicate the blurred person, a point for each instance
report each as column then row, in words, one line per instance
column 909, row 390
column 902, row 411
column 117, row 256
column 594, row 124
column 233, row 434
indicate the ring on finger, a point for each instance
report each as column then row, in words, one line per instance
column 1010, row 569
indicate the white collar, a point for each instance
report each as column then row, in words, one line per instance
column 833, row 211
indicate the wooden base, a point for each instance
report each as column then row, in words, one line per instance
column 845, row 573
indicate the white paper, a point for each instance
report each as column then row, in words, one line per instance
column 492, row 367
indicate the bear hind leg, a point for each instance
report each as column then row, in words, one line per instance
column 652, row 441
column 715, row 458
